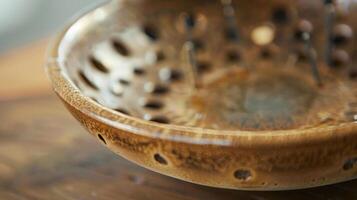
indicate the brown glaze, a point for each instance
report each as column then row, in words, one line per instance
column 119, row 107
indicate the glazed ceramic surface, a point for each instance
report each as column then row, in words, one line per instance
column 256, row 118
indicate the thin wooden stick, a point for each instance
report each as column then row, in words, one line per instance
column 312, row 58
column 230, row 16
column 190, row 50
column 329, row 21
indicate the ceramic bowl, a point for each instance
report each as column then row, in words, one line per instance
column 257, row 121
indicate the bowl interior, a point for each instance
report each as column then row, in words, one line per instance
column 215, row 65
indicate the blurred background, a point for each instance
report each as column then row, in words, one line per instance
column 22, row 21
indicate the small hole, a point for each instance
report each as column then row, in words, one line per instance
column 102, row 138
column 120, row 48
column 198, row 44
column 124, row 82
column 98, row 65
column 167, row 74
column 301, row 54
column 266, row 53
column 190, row 20
column 340, row 58
column 339, row 39
column 176, row 75
column 231, row 34
column 298, row 35
column 353, row 74
column 242, row 174
column 123, row 111
column 342, row 33
column 203, row 67
column 160, row 89
column 303, row 26
column 160, row 56
column 160, row 159
column 233, row 56
column 139, row 71
column 350, row 164
column 156, row 89
column 280, row 15
column 154, row 105
column 151, row 32
column 87, row 81
column 158, row 119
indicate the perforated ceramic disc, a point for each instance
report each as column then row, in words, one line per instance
column 136, row 63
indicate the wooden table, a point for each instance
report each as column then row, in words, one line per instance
column 45, row 154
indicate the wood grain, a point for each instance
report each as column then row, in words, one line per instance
column 45, row 154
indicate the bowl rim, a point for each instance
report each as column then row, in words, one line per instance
column 67, row 91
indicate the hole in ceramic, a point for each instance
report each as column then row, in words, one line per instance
column 342, row 34
column 353, row 74
column 242, row 174
column 120, row 48
column 266, row 53
column 153, row 104
column 98, row 65
column 151, row 32
column 280, row 15
column 231, row 34
column 160, row 56
column 340, row 58
column 233, row 56
column 158, row 158
column 156, row 89
column 124, row 82
column 350, row 164
column 304, row 26
column 159, row 119
column 203, row 67
column 139, row 71
column 86, row 80
column 167, row 74
column 102, row 139
column 198, row 44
